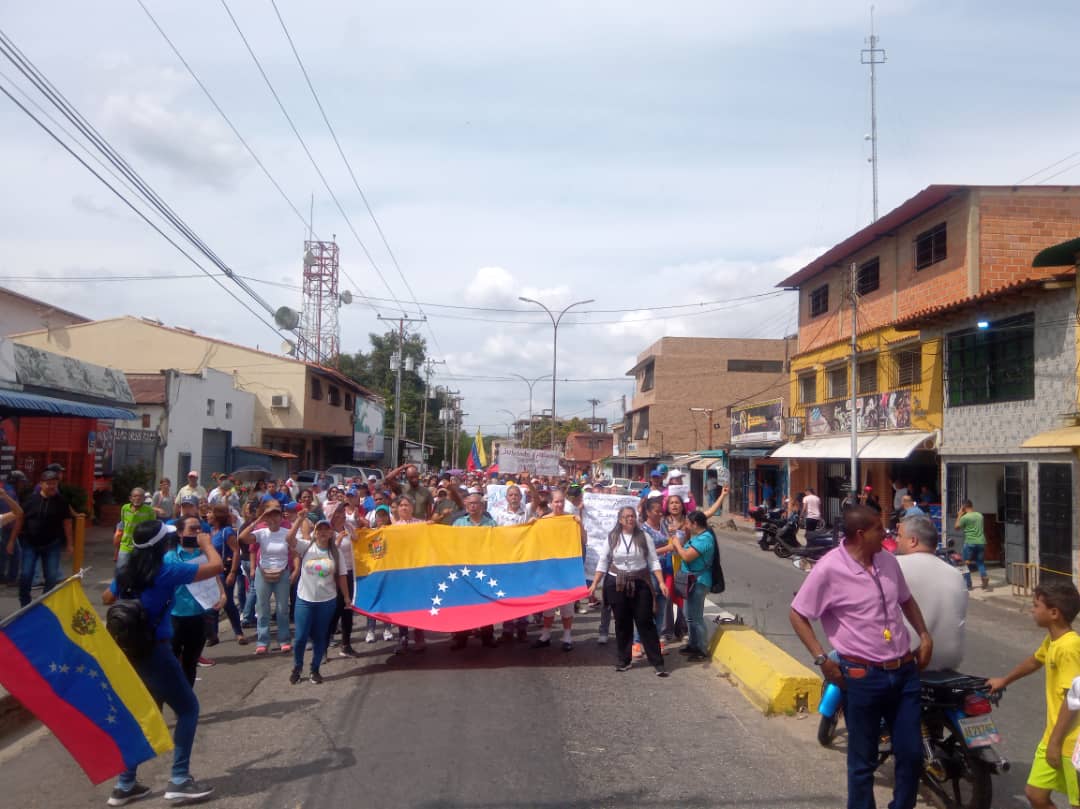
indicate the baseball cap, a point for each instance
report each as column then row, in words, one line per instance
column 50, row 474
column 15, row 475
column 189, row 500
column 323, row 522
column 574, row 489
column 192, row 474
column 271, row 504
column 54, row 467
column 474, row 490
column 373, row 479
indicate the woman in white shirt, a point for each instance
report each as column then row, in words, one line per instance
column 321, row 574
column 630, row 574
column 272, row 575
column 342, row 527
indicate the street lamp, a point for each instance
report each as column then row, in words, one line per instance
column 555, row 321
column 530, row 383
column 512, row 419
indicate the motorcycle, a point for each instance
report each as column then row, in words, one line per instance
column 958, row 737
column 818, row 543
column 768, row 523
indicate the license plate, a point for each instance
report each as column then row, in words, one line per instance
column 979, row 731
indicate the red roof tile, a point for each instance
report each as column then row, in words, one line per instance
column 148, row 389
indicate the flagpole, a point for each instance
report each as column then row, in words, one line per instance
column 23, row 610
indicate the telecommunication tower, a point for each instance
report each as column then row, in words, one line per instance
column 320, row 334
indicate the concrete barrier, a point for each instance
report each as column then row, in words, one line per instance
column 770, row 678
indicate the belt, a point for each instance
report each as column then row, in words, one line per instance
column 887, row 665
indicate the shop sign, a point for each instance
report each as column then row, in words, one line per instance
column 758, row 424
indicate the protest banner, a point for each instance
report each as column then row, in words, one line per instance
column 512, row 460
column 495, row 494
column 601, row 514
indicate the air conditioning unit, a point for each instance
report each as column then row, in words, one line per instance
column 279, row 401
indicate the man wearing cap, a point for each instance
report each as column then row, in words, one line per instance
column 225, row 493
column 45, row 532
column 190, row 489
column 189, row 507
column 475, row 518
column 656, row 483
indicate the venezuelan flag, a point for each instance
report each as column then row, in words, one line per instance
column 477, row 457
column 61, row 663
column 451, row 579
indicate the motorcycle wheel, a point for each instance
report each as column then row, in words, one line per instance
column 826, row 731
column 782, row 550
column 965, row 786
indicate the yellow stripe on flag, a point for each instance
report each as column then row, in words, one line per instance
column 398, row 547
column 67, row 603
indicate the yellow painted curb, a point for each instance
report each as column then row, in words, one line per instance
column 771, row 679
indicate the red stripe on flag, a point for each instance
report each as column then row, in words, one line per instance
column 91, row 747
column 457, row 619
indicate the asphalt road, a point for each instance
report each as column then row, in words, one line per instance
column 1000, row 633
column 510, row 727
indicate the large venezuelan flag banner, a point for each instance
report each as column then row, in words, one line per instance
column 451, row 579
column 59, row 661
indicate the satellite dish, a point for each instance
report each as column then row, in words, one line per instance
column 287, row 318
column 309, row 259
column 346, row 297
column 288, row 347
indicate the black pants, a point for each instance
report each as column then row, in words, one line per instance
column 484, row 632
column 188, row 641
column 630, row 611
column 811, row 524
column 344, row 613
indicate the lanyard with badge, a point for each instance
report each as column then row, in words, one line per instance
column 886, row 632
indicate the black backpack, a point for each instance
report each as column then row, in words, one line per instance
column 128, row 623
column 717, row 570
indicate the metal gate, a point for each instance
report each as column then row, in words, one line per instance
column 215, row 454
column 1014, row 510
column 1055, row 520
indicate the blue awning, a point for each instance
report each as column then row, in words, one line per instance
column 16, row 403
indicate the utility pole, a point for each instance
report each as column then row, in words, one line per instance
column 854, row 376
column 873, row 56
column 395, row 457
column 427, row 385
column 592, row 424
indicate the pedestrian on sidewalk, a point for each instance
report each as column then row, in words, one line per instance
column 629, row 572
column 46, row 532
column 859, row 594
column 154, row 581
column 970, row 522
column 697, row 557
column 1054, row 607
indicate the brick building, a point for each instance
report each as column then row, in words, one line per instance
column 945, row 245
column 584, row 450
column 684, row 388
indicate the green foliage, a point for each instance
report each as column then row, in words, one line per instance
column 76, row 496
column 129, row 477
column 541, row 438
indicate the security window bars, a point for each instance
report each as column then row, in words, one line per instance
column 908, row 365
column 995, row 364
column 807, row 389
column 868, row 277
column 819, row 301
column 930, row 247
column 837, row 382
column 867, row 376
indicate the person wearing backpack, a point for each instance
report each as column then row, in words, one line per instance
column 140, row 600
column 697, row 554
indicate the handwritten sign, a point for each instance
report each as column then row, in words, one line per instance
column 205, row 592
column 512, row 460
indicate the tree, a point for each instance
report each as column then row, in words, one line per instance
column 541, row 438
column 373, row 370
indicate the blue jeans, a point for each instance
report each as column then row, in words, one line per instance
column 695, row 616
column 870, row 696
column 975, row 556
column 50, row 563
column 167, row 684
column 248, row 601
column 280, row 591
column 313, row 619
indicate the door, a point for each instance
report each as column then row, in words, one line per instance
column 1014, row 513
column 1055, row 520
column 955, row 494
column 215, row 453
column 183, row 466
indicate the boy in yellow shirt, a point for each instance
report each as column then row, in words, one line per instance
column 1056, row 604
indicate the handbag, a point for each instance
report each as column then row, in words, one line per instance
column 683, row 582
column 272, row 576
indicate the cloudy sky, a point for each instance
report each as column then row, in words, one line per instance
column 640, row 156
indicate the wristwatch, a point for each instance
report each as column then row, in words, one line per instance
column 820, row 660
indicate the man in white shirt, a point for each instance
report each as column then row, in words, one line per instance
column 191, row 489
column 513, row 511
column 811, row 509
column 937, row 587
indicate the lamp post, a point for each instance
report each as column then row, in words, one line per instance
column 530, row 383
column 512, row 419
column 555, row 321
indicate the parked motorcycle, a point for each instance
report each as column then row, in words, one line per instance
column 958, row 737
column 767, row 523
column 818, row 543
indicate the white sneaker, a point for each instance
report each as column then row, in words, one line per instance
column 602, row 638
column 370, row 637
column 387, row 634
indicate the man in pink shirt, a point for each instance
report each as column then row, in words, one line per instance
column 858, row 593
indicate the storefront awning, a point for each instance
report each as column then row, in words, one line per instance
column 16, row 403
column 875, row 446
column 1065, row 437
column 703, row 464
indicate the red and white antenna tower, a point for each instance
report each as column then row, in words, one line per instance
column 320, row 334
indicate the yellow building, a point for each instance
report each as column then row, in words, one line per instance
column 300, row 408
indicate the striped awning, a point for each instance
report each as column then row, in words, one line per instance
column 17, row 403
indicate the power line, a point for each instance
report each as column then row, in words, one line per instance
column 68, row 111
column 1046, row 168
column 311, row 158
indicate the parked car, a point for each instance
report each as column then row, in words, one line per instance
column 341, row 473
column 638, row 486
column 305, row 480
